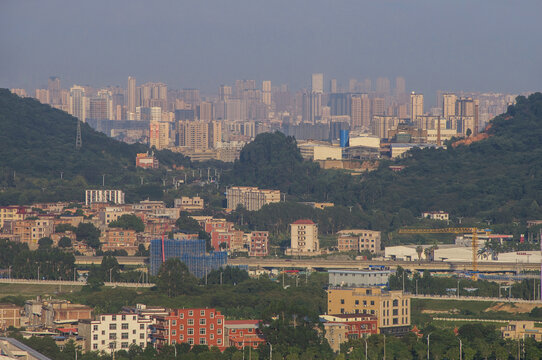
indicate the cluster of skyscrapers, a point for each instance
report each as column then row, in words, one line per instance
column 217, row 126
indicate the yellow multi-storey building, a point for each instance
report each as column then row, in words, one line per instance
column 12, row 213
column 391, row 307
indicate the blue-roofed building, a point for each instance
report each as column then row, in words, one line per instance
column 189, row 251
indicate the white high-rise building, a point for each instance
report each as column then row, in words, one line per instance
column 416, row 105
column 317, row 84
column 448, row 105
column 78, row 104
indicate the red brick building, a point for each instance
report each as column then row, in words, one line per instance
column 243, row 333
column 192, row 326
column 218, row 225
column 259, row 243
column 120, row 239
column 233, row 239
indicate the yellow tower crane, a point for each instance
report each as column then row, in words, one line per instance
column 466, row 230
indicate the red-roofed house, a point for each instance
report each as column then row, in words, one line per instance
column 242, row 333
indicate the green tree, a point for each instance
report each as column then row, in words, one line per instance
column 45, row 243
column 174, row 278
column 88, row 233
column 128, row 222
column 64, row 242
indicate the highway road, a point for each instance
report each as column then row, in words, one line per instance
column 71, row 283
column 325, row 264
column 357, row 264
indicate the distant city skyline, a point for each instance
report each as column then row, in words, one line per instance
column 460, row 45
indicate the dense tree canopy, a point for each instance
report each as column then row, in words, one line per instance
column 128, row 222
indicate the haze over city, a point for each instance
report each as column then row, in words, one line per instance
column 459, row 45
column 270, row 180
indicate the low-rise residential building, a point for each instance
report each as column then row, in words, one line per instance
column 520, row 330
column 13, row 213
column 228, row 240
column 251, row 198
column 359, row 240
column 436, row 215
column 304, row 238
column 146, row 161
column 359, row 278
column 186, row 203
column 340, row 328
column 191, row 326
column 57, row 312
column 392, row 308
column 10, row 315
column 115, row 332
column 217, row 225
column 258, row 242
column 30, row 231
column 148, row 205
column 120, row 239
column 243, row 333
column 110, row 214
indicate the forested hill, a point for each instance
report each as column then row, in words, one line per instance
column 497, row 179
column 37, row 143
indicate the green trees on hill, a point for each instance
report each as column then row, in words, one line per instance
column 128, row 222
column 40, row 162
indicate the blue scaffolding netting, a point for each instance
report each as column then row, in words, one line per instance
column 189, row 251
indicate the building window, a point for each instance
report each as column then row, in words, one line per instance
column 123, row 317
column 357, row 302
column 190, row 331
column 395, row 312
column 112, row 326
column 124, row 336
column 95, row 346
column 202, row 331
column 219, row 331
column 124, row 326
column 95, row 337
column 190, row 321
column 181, row 316
column 212, row 315
column 395, row 302
column 202, row 341
column 181, row 337
column 124, row 345
column 202, row 321
column 174, row 322
column 112, row 336
column 173, row 332
column 395, row 321
column 342, row 301
column 212, row 326
column 95, row 328
column 191, row 341
column 114, row 317
column 219, row 321
column 212, row 336
column 181, row 327
column 219, row 341
column 190, row 313
column 142, row 336
column 141, row 326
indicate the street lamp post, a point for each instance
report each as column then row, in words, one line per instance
column 460, row 350
column 428, row 336
column 365, row 348
column 270, row 351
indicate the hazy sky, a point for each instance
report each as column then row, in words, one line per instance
column 491, row 45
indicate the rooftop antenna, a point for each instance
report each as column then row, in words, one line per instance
column 78, row 140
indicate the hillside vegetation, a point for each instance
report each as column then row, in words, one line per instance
column 37, row 144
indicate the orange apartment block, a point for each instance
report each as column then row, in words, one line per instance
column 120, row 239
column 259, row 243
